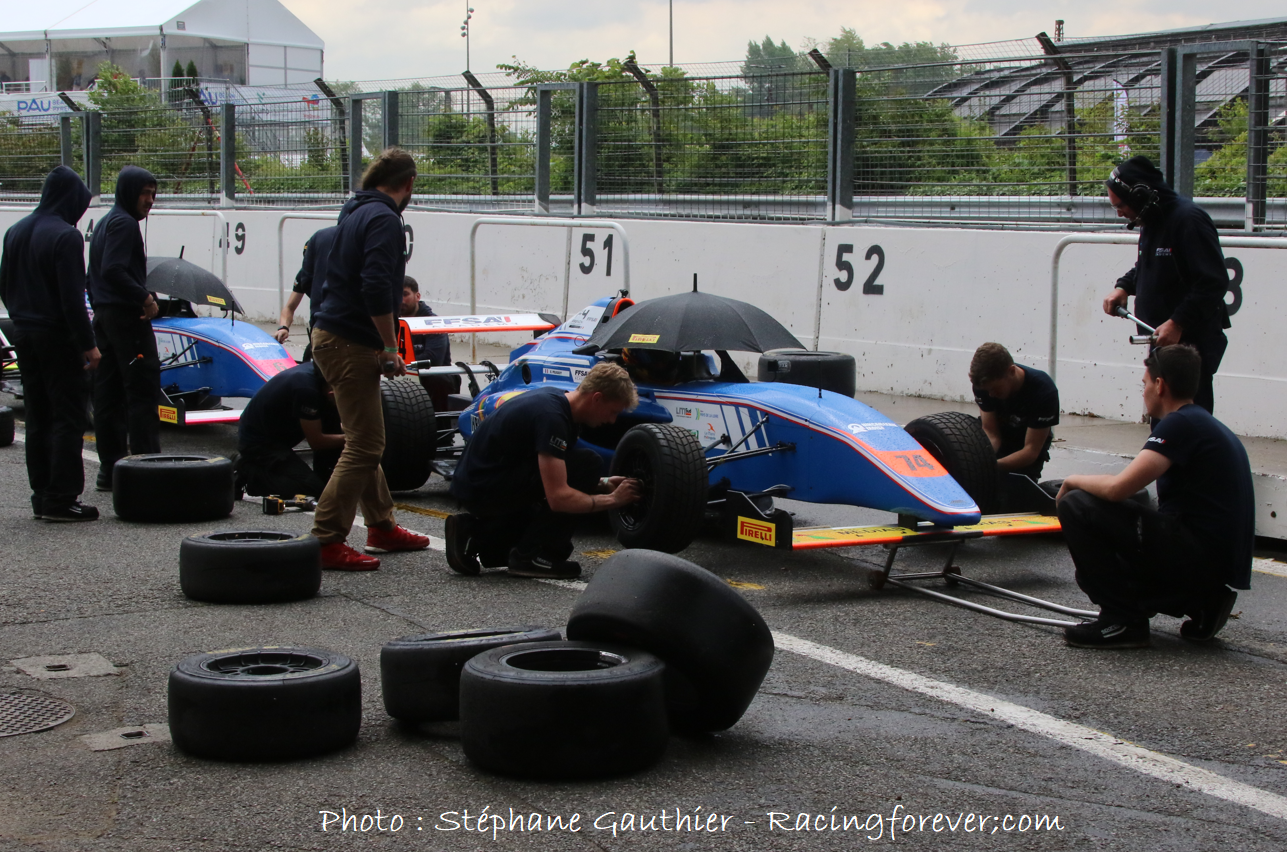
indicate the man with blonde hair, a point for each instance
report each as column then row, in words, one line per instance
column 523, row 482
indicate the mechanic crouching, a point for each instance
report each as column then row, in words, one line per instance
column 295, row 405
column 1182, row 558
column 522, row 482
column 1019, row 406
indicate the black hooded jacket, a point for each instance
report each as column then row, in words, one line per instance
column 117, row 258
column 1179, row 270
column 42, row 270
column 312, row 272
column 365, row 269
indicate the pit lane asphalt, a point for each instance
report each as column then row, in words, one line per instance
column 817, row 737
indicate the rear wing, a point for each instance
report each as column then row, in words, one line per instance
column 410, row 326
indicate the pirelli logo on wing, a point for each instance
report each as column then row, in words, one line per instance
column 644, row 338
column 756, row 531
column 168, row 414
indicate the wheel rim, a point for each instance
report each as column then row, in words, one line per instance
column 637, row 466
column 252, row 664
column 252, row 535
column 564, row 660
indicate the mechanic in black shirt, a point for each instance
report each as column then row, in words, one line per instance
column 523, row 483
column 294, row 405
column 42, row 282
column 1179, row 278
column 128, row 379
column 435, row 348
column 1019, row 406
column 1181, row 559
column 308, row 282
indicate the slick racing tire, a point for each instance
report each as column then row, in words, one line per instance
column 262, row 704
column 6, row 426
column 420, row 675
column 164, row 488
column 833, row 371
column 668, row 462
column 563, row 710
column 958, row 442
column 410, row 433
column 250, row 566
column 716, row 647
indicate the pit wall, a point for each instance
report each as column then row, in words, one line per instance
column 912, row 310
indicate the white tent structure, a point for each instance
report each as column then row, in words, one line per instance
column 56, row 45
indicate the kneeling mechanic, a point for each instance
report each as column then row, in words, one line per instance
column 522, row 482
column 295, row 405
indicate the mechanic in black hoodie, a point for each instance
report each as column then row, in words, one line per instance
column 354, row 343
column 129, row 377
column 42, row 282
column 1179, row 278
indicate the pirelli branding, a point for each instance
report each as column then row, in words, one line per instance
column 644, row 338
column 755, row 531
column 168, row 414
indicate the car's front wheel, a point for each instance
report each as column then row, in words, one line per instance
column 671, row 468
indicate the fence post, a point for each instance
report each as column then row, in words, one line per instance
column 1166, row 103
column 587, row 149
column 355, row 144
column 92, row 139
column 1186, row 90
column 842, row 84
column 1257, row 134
column 65, row 141
column 390, row 119
column 228, row 155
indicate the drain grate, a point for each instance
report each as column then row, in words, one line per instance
column 28, row 712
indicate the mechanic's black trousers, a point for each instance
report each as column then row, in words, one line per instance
column 1135, row 562
column 127, row 387
column 524, row 521
column 55, row 392
column 282, row 473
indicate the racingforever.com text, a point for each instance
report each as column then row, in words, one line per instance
column 876, row 826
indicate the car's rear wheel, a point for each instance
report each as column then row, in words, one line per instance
column 410, row 433
column 958, row 442
column 668, row 462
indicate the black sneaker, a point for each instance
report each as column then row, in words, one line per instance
column 1107, row 633
column 77, row 511
column 521, row 565
column 103, row 482
column 460, row 533
column 37, row 510
column 1210, row 619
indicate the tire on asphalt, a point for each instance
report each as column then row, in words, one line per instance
column 250, row 566
column 166, row 488
column 264, row 704
column 716, row 647
column 410, row 433
column 6, row 426
column 833, row 371
column 669, row 462
column 958, row 442
column 563, row 710
column 420, row 675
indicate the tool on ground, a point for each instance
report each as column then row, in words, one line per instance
column 1149, row 338
column 274, row 505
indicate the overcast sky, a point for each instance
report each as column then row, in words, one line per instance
column 387, row 39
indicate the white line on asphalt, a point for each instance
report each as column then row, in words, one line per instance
column 1089, row 740
column 1269, row 566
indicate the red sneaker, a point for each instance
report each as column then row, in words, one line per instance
column 387, row 541
column 338, row 556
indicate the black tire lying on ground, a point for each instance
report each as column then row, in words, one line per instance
column 420, row 675
column 563, row 710
column 958, row 442
column 669, row 463
column 6, row 426
column 261, row 704
column 833, row 371
column 250, row 566
column 410, row 433
column 716, row 647
column 166, row 488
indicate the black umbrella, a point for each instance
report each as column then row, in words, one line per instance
column 689, row 322
column 179, row 279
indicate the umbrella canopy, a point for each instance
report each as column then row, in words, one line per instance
column 179, row 279
column 689, row 322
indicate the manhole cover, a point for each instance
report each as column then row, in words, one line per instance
column 26, row 713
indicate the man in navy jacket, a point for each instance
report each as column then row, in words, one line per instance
column 42, row 282
column 354, row 343
column 129, row 377
column 308, row 282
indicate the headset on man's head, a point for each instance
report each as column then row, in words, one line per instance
column 1140, row 197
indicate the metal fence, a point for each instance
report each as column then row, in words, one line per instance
column 1013, row 132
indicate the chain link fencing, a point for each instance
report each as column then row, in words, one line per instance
column 30, row 147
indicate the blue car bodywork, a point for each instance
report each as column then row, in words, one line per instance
column 824, row 447
column 230, row 358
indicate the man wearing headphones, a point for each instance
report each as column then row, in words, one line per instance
column 1179, row 278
